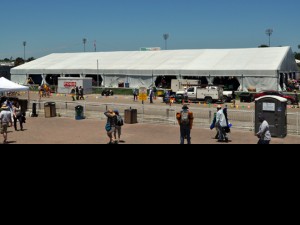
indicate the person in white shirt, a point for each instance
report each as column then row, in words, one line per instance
column 264, row 133
column 5, row 120
column 221, row 123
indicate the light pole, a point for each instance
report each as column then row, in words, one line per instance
column 269, row 32
column 166, row 37
column 24, row 44
column 84, row 42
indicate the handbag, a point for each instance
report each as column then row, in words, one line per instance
column 107, row 127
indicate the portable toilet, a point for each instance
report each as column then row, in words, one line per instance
column 274, row 109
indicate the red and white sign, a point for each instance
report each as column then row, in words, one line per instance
column 70, row 84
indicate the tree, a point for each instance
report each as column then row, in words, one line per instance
column 263, row 46
column 19, row 61
column 6, row 60
column 30, row 59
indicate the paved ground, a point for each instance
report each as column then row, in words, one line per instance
column 91, row 131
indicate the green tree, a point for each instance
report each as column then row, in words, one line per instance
column 30, row 59
column 19, row 61
column 263, row 46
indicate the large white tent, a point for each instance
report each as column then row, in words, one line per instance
column 262, row 68
column 9, row 86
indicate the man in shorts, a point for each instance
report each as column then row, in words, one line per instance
column 5, row 121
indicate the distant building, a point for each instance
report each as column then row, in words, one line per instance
column 5, row 69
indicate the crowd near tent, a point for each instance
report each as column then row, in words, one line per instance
column 261, row 68
column 9, row 86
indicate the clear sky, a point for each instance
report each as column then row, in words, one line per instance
column 118, row 25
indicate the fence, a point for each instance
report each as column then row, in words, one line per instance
column 151, row 114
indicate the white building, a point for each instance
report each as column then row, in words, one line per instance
column 261, row 68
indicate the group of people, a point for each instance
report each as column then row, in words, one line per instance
column 185, row 120
column 152, row 94
column 44, row 91
column 77, row 92
column 10, row 114
column 113, row 126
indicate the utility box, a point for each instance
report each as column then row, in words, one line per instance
column 274, row 109
column 130, row 116
column 50, row 109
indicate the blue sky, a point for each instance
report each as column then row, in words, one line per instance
column 118, row 25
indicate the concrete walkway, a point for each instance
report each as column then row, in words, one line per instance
column 57, row 130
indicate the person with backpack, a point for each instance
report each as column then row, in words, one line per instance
column 185, row 120
column 119, row 125
column 110, row 126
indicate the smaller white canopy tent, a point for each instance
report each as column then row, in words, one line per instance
column 7, row 85
column 297, row 61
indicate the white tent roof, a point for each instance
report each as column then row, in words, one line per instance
column 297, row 61
column 7, row 85
column 205, row 62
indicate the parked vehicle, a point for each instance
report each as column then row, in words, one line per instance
column 180, row 84
column 107, row 92
column 246, row 97
column 208, row 94
column 290, row 99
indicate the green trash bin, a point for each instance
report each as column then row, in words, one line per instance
column 79, row 115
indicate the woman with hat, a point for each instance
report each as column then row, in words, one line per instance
column 5, row 120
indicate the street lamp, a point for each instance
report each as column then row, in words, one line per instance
column 166, row 37
column 24, row 44
column 84, row 42
column 269, row 32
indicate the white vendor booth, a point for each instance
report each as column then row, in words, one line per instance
column 65, row 84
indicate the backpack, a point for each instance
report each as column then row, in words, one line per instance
column 185, row 118
column 120, row 121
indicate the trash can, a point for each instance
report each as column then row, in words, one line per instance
column 130, row 116
column 50, row 109
column 34, row 114
column 274, row 109
column 79, row 115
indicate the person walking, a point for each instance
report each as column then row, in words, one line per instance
column 264, row 133
column 5, row 121
column 73, row 92
column 135, row 94
column 151, row 95
column 77, row 93
column 221, row 124
column 110, row 125
column 185, row 120
column 17, row 116
column 119, row 125
column 81, row 97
